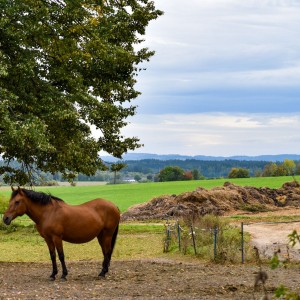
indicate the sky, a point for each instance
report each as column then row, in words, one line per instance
column 225, row 79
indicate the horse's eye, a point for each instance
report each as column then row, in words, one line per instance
column 17, row 202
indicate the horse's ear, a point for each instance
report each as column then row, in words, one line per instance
column 21, row 191
column 12, row 188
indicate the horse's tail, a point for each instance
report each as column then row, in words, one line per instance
column 113, row 240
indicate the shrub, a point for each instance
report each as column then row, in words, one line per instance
column 238, row 173
column 171, row 173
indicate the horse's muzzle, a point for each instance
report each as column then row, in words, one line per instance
column 7, row 220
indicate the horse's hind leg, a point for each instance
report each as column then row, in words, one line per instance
column 61, row 256
column 105, row 243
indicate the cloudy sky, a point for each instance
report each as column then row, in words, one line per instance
column 225, row 79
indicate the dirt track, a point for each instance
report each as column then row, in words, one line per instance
column 270, row 238
column 151, row 279
column 148, row 279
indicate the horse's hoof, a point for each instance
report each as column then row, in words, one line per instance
column 63, row 279
column 101, row 276
column 52, row 278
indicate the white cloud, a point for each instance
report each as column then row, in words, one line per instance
column 224, row 80
column 217, row 134
column 251, row 40
column 223, row 56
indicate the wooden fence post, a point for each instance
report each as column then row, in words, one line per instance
column 215, row 242
column 168, row 239
column 193, row 238
column 179, row 237
column 242, row 240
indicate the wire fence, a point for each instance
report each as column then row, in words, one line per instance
column 219, row 242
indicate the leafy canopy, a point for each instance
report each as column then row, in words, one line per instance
column 66, row 65
column 238, row 173
column 171, row 173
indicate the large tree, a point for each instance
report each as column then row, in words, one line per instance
column 67, row 65
column 171, row 173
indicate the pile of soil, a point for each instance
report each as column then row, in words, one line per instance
column 217, row 201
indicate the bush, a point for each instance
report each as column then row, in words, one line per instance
column 238, row 173
column 171, row 173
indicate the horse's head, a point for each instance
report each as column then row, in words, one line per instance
column 17, row 206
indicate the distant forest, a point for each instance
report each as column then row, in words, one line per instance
column 148, row 169
column 208, row 169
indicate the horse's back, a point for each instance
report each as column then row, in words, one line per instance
column 106, row 210
column 102, row 206
column 81, row 223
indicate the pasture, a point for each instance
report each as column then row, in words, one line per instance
column 138, row 240
column 139, row 267
column 126, row 195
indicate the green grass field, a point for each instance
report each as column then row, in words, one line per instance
column 134, row 241
column 126, row 195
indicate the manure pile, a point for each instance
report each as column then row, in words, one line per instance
column 217, row 201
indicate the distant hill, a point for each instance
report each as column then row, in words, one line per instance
column 142, row 156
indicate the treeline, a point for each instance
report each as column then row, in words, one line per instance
column 286, row 168
column 189, row 169
column 45, row 178
column 207, row 169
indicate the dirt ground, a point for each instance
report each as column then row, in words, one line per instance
column 141, row 279
column 270, row 238
column 156, row 278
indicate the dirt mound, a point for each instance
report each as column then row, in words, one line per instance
column 217, row 201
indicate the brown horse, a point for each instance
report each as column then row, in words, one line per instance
column 56, row 221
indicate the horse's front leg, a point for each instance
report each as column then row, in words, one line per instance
column 60, row 251
column 51, row 248
column 54, row 265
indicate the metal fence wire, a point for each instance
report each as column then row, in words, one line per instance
column 220, row 242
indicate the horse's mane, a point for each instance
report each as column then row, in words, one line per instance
column 37, row 197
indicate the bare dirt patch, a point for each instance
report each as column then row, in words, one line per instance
column 140, row 279
column 271, row 238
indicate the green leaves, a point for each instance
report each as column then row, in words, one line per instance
column 294, row 238
column 66, row 65
column 283, row 292
column 171, row 173
column 274, row 262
